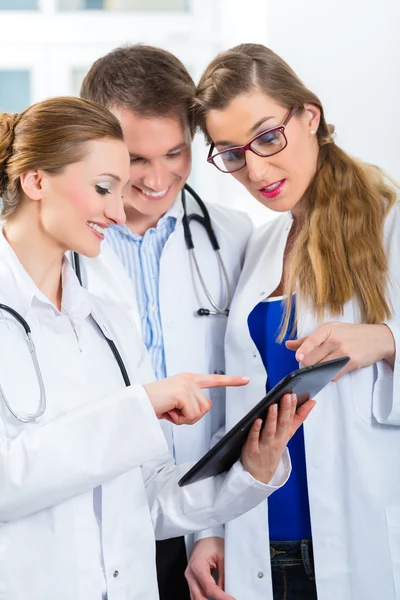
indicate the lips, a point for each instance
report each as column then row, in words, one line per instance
column 273, row 189
column 97, row 228
column 153, row 196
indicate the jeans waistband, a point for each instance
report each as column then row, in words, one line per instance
column 292, row 553
column 292, row 549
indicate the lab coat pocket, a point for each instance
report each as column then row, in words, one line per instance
column 362, row 386
column 393, row 527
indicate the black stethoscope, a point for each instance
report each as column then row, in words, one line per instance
column 205, row 221
column 77, row 268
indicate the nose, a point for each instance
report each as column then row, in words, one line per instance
column 257, row 166
column 157, row 177
column 114, row 209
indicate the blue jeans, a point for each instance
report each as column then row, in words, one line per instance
column 292, row 565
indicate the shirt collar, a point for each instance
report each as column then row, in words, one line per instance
column 21, row 293
column 175, row 212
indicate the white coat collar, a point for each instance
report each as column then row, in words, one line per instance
column 22, row 294
column 176, row 209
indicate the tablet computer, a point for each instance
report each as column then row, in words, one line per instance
column 306, row 383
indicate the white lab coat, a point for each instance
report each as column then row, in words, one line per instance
column 49, row 538
column 191, row 343
column 352, row 441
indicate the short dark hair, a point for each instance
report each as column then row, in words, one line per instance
column 147, row 80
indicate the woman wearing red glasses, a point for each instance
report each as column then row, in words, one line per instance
column 320, row 281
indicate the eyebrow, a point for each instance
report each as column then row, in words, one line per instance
column 180, row 146
column 115, row 177
column 251, row 131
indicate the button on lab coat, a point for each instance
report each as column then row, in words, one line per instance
column 95, row 432
column 352, row 441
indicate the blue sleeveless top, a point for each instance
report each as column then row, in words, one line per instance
column 288, row 508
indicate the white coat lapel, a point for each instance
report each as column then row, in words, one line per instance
column 263, row 266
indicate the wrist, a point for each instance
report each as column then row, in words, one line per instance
column 262, row 476
column 147, row 389
column 389, row 348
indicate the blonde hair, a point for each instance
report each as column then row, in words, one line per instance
column 338, row 254
column 48, row 135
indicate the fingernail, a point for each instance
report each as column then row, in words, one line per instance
column 245, row 378
column 300, row 357
column 294, row 398
column 274, row 408
column 288, row 399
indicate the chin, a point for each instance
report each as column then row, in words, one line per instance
column 92, row 253
column 278, row 205
column 154, row 208
column 89, row 251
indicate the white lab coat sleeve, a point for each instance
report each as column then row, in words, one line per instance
column 220, row 530
column 178, row 511
column 49, row 463
column 386, row 394
column 211, row 532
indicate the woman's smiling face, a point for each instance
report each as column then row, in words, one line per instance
column 279, row 181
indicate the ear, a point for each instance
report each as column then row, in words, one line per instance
column 32, row 184
column 313, row 117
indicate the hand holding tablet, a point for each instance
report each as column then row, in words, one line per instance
column 305, row 383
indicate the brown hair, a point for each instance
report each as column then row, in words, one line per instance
column 147, row 80
column 338, row 253
column 48, row 135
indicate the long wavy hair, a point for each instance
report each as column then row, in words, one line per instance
column 338, row 253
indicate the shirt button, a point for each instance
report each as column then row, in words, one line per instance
column 115, row 574
column 260, row 574
column 254, row 354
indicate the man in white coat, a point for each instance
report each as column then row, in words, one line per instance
column 146, row 267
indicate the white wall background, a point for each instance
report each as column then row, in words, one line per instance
column 347, row 51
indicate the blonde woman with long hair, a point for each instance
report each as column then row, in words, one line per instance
column 320, row 281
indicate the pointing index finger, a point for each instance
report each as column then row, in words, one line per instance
column 214, row 381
